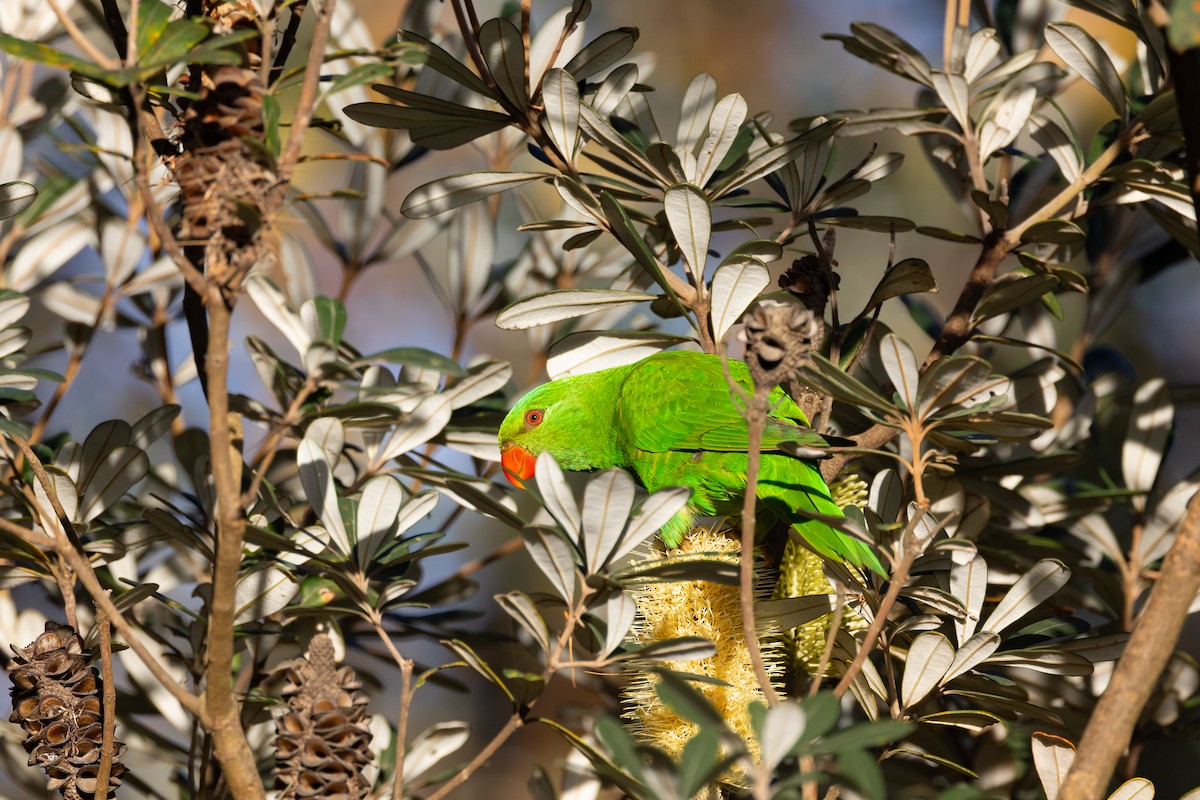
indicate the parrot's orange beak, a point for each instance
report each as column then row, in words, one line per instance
column 519, row 464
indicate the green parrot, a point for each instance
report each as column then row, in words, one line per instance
column 670, row 419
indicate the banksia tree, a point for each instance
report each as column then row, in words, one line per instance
column 57, row 700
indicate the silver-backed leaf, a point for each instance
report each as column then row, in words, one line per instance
column 1150, row 422
column 723, row 126
column 560, row 99
column 776, row 157
column 481, row 380
column 698, row 103
column 1050, row 662
column 518, row 606
column 12, row 308
column 44, row 253
column 901, row 366
column 971, row 654
column 274, row 305
column 1058, row 145
column 15, row 197
column 1095, row 531
column 1052, row 758
column 685, row 648
column 1005, row 121
column 956, row 94
column 559, row 37
column 607, row 501
column 504, row 54
column 929, row 657
column 1013, row 294
column 982, row 49
column 737, row 283
column 316, row 475
column 1031, row 590
column 262, row 592
column 690, row 218
column 649, row 517
column 554, row 556
column 444, row 194
column 886, row 497
column 1167, row 513
column 618, row 612
column 613, row 90
column 1088, row 58
column 782, row 728
column 557, row 496
column 968, row 582
column 560, row 304
column 423, row 423
column 1134, row 789
column 953, row 381
column 589, row 351
column 431, row 746
column 64, row 489
column 376, row 519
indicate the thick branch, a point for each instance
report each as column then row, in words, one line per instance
column 1136, row 676
column 221, row 713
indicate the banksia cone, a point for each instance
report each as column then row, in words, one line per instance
column 321, row 747
column 672, row 609
column 56, row 699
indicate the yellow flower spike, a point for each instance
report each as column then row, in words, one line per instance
column 668, row 610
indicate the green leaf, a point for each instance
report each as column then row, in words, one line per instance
column 866, row 734
column 601, row 53
column 44, row 54
column 441, row 61
column 910, row 276
column 174, row 46
column 436, row 130
column 330, row 316
column 437, row 197
column 504, row 54
column 947, row 235
column 153, row 18
column 464, row 651
column 699, row 762
column 417, row 357
column 1053, row 231
column 1011, row 295
column 863, row 771
column 627, row 235
column 686, row 701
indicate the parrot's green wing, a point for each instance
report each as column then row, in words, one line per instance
column 693, row 408
column 677, row 402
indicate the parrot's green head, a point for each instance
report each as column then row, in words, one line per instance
column 555, row 418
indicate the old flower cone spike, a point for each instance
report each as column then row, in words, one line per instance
column 56, row 699
column 321, row 747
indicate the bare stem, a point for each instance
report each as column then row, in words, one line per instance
column 308, row 92
column 110, row 705
column 756, row 417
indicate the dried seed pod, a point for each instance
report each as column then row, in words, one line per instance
column 322, row 739
column 808, row 280
column 56, row 699
column 778, row 339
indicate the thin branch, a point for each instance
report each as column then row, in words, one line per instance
column 81, row 41
column 104, row 770
column 307, row 101
column 756, row 419
column 896, row 584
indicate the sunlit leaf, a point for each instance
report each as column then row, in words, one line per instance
column 441, row 195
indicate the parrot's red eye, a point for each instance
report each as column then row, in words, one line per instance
column 533, row 417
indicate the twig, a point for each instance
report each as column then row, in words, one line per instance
column 1136, row 675
column 110, row 706
column 306, row 103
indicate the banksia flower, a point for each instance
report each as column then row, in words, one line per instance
column 801, row 574
column 672, row 609
column 321, row 747
column 56, row 699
